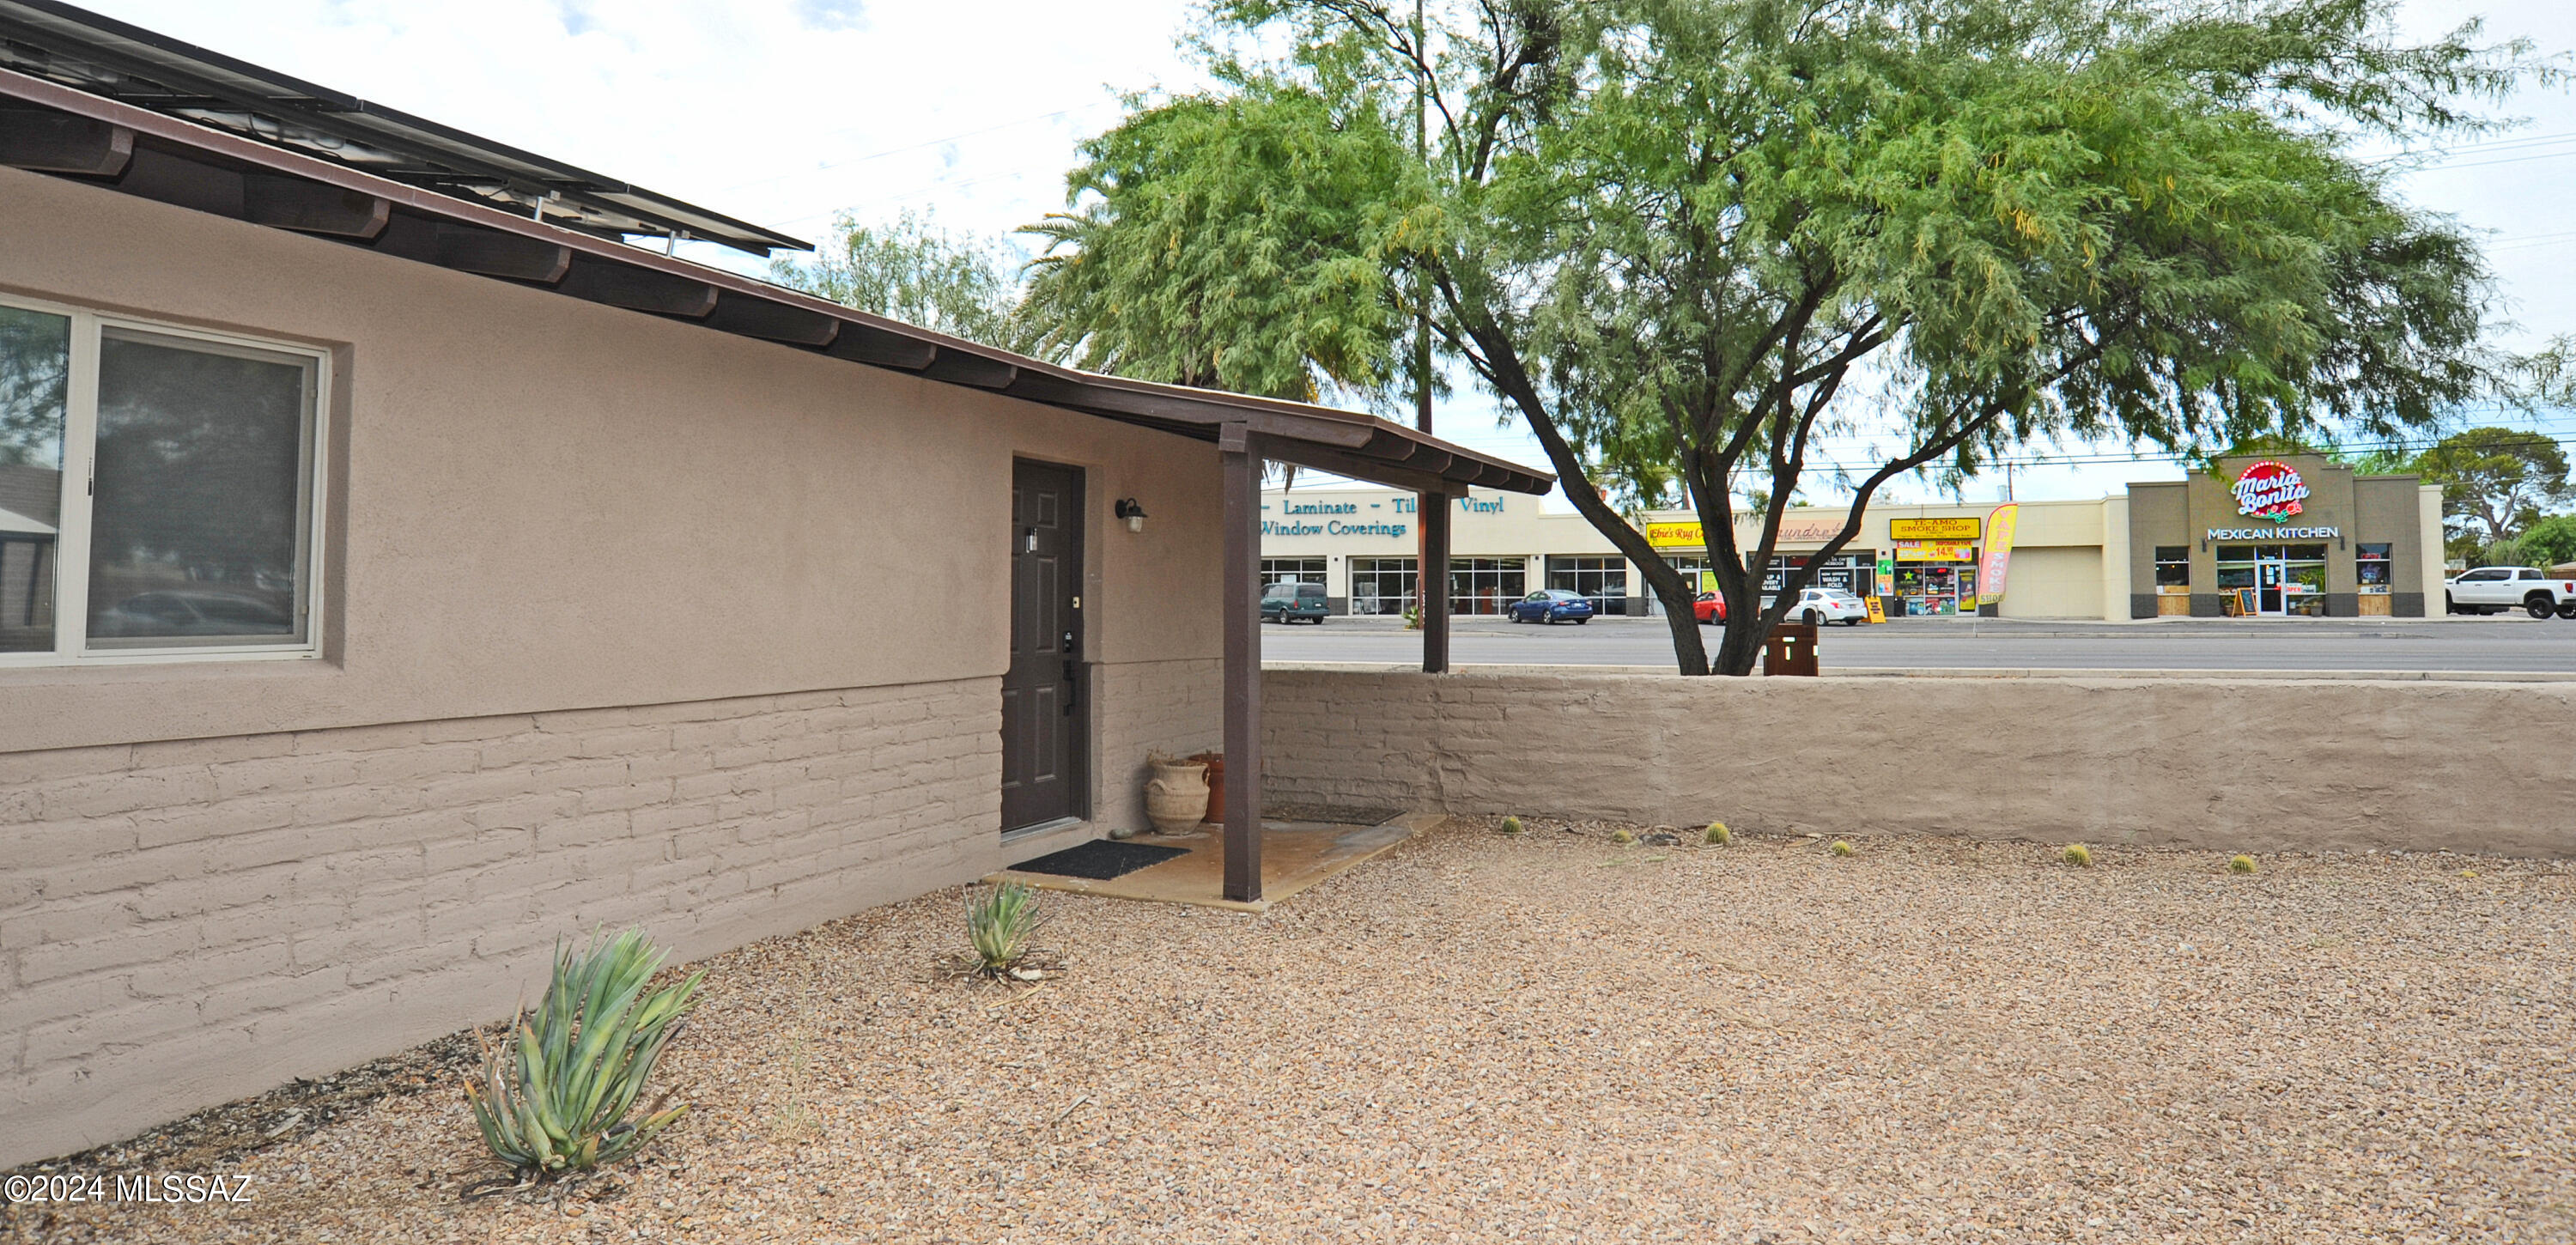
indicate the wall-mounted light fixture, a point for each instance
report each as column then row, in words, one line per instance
column 1134, row 514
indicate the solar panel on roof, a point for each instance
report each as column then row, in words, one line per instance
column 106, row 57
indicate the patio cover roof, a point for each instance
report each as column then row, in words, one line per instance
column 48, row 126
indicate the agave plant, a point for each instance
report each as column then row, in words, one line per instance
column 999, row 922
column 557, row 1097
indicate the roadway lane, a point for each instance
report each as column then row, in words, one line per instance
column 2502, row 644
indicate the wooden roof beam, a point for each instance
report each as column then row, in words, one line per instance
column 861, row 343
column 959, row 367
column 637, row 289
column 778, row 322
column 311, row 207
column 46, row 141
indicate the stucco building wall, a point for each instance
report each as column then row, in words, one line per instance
column 2229, row 764
column 623, row 620
column 2055, row 582
column 542, row 503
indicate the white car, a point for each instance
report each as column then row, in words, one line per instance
column 1824, row 605
column 2495, row 589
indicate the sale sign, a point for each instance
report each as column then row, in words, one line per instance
column 2270, row 490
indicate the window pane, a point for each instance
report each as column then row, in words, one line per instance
column 197, row 521
column 1381, row 585
column 1292, row 571
column 35, row 362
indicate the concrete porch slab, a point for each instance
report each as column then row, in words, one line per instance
column 1294, row 856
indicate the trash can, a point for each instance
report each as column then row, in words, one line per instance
column 1790, row 649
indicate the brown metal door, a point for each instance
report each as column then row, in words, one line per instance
column 1044, row 747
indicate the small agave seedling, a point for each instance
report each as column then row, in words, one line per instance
column 2078, row 855
column 1840, row 848
column 999, row 923
column 1717, row 835
column 2241, row 864
column 1511, row 825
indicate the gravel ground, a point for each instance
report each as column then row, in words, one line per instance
column 1555, row 1038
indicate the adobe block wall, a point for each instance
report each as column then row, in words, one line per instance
column 2228, row 764
column 188, row 922
column 1151, row 706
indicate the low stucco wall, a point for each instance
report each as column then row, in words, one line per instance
column 2239, row 765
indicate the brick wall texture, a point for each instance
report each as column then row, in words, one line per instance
column 2228, row 764
column 1176, row 707
column 183, row 923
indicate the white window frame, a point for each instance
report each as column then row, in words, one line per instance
column 80, row 459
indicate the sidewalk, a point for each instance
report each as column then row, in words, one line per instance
column 2096, row 628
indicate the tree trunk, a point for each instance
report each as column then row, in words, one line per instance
column 1690, row 654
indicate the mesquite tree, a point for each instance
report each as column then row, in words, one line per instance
column 1690, row 239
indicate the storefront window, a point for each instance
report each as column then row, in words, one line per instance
column 1291, row 571
column 1381, row 585
column 1600, row 580
column 1932, row 577
column 2173, row 566
column 2371, row 567
column 1853, row 570
column 1486, row 585
column 2274, row 579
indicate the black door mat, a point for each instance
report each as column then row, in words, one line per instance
column 1100, row 859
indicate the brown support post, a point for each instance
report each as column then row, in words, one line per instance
column 1239, row 462
column 1431, row 583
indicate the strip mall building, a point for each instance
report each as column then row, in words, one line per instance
column 2287, row 536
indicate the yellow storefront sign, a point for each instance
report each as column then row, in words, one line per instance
column 1933, row 529
column 1931, row 552
column 1676, row 535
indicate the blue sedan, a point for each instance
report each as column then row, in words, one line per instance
column 1552, row 605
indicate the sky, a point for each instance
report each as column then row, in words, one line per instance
column 785, row 112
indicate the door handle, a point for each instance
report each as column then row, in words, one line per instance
column 1073, row 684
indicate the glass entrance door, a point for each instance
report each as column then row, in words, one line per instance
column 2269, row 575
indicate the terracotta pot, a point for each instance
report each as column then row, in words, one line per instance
column 1216, row 784
column 1176, row 797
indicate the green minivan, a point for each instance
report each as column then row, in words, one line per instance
column 1287, row 603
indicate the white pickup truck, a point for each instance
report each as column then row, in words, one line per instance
column 2495, row 589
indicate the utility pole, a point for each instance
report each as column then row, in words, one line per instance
column 1421, row 279
column 1422, row 585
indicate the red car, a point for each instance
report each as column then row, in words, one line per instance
column 1710, row 609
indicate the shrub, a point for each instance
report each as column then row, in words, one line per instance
column 999, row 922
column 1840, row 848
column 2078, row 855
column 1717, row 835
column 1511, row 825
column 1622, row 837
column 2241, row 864
column 557, row 1099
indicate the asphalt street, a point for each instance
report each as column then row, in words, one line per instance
column 2496, row 644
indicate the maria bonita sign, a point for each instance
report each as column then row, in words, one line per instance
column 2270, row 490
